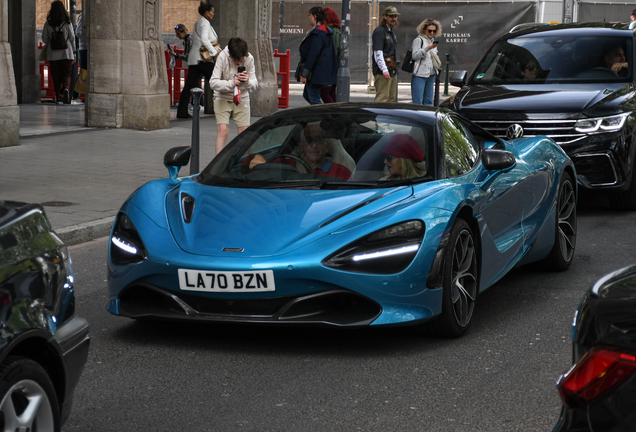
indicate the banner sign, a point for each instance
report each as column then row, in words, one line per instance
column 469, row 29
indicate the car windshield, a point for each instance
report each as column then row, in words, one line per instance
column 357, row 150
column 560, row 59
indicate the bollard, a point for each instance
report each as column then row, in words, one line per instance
column 446, row 81
column 194, row 157
column 436, row 97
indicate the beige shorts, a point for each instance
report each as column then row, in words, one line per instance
column 240, row 113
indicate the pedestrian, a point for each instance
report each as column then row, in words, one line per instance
column 632, row 24
column 328, row 93
column 181, row 31
column 82, row 53
column 426, row 62
column 203, row 35
column 318, row 56
column 59, row 37
column 384, row 52
column 234, row 68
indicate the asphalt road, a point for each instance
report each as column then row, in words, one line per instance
column 499, row 377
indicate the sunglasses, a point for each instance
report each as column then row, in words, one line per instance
column 531, row 68
column 389, row 157
column 311, row 140
column 430, row 31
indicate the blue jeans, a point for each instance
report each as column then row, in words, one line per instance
column 423, row 89
column 311, row 93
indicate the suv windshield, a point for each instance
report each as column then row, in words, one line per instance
column 357, row 150
column 536, row 59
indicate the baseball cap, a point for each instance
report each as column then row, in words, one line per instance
column 404, row 146
column 391, row 10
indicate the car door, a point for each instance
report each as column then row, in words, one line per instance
column 499, row 203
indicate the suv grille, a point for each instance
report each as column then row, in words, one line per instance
column 562, row 131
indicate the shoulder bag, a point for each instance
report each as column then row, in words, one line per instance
column 409, row 63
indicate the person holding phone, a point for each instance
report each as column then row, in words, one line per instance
column 234, row 68
column 426, row 60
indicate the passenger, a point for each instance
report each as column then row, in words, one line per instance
column 402, row 156
column 616, row 61
column 531, row 70
column 313, row 149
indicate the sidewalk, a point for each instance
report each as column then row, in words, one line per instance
column 83, row 175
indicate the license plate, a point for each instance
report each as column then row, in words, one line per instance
column 215, row 281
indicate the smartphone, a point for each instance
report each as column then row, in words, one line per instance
column 168, row 46
column 241, row 69
column 436, row 42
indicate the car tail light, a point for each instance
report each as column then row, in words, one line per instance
column 601, row 369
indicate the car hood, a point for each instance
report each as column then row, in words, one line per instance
column 482, row 101
column 266, row 222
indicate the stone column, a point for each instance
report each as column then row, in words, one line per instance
column 9, row 110
column 23, row 39
column 127, row 74
column 251, row 20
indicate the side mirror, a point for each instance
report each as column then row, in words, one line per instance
column 497, row 160
column 458, row 79
column 175, row 158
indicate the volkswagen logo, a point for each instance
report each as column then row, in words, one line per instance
column 514, row 131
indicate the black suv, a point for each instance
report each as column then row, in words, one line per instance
column 43, row 344
column 571, row 82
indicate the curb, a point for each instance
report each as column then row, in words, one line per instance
column 86, row 231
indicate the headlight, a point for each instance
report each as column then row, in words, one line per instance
column 66, row 258
column 387, row 251
column 126, row 247
column 601, row 124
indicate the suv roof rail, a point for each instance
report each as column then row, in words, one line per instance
column 526, row 26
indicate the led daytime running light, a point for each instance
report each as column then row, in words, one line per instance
column 386, row 253
column 124, row 246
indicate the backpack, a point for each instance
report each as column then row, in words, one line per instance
column 58, row 39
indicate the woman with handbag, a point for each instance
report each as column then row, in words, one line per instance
column 203, row 37
column 59, row 37
column 427, row 63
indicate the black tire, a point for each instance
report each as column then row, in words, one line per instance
column 562, row 252
column 460, row 282
column 23, row 382
column 625, row 200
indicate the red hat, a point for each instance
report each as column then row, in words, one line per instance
column 404, row 146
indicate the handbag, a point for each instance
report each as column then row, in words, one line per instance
column 58, row 39
column 409, row 63
column 237, row 96
column 81, row 85
column 390, row 63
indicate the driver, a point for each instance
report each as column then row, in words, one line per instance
column 313, row 149
column 615, row 60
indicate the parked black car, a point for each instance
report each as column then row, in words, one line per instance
column 43, row 344
column 571, row 82
column 599, row 391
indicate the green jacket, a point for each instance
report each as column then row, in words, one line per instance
column 336, row 37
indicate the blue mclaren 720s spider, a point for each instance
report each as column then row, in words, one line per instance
column 343, row 215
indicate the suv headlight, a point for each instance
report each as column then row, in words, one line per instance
column 601, row 124
column 387, row 251
column 126, row 247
